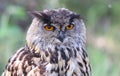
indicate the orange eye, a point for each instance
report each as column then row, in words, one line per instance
column 49, row 28
column 70, row 27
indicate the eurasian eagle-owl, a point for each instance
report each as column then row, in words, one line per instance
column 55, row 46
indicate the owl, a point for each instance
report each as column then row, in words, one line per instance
column 55, row 46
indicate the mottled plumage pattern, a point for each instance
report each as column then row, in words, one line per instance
column 59, row 52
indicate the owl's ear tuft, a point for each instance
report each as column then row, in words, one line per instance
column 40, row 15
column 35, row 14
column 75, row 16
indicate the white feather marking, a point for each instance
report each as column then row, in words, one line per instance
column 48, row 67
column 72, row 65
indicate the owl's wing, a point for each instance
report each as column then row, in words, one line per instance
column 24, row 63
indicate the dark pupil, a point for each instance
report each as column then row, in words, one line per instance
column 69, row 26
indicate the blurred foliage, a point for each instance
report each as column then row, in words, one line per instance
column 10, row 34
column 102, row 20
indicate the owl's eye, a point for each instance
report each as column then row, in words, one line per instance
column 49, row 28
column 69, row 27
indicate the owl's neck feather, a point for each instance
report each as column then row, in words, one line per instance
column 60, row 55
column 56, row 50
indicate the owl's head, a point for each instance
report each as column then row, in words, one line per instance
column 55, row 27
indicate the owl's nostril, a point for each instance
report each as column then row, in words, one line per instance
column 61, row 36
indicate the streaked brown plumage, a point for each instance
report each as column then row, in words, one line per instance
column 55, row 47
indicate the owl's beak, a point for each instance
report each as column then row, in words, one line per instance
column 61, row 36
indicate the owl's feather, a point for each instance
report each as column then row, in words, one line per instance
column 24, row 63
column 45, row 54
column 64, row 62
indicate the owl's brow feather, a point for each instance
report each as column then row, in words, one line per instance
column 46, row 18
column 74, row 16
column 41, row 15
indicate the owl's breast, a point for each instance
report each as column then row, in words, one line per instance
column 67, row 62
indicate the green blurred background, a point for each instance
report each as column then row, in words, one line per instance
column 102, row 19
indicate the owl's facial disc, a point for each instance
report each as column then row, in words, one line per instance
column 56, row 26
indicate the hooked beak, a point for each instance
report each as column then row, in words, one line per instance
column 61, row 36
